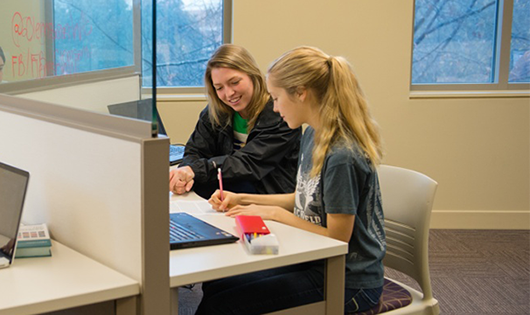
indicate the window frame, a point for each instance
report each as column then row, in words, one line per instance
column 502, row 64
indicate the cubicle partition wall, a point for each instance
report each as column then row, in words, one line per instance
column 100, row 183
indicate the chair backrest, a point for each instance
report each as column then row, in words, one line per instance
column 407, row 198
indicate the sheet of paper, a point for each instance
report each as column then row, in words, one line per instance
column 191, row 206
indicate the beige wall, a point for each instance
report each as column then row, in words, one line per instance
column 477, row 148
column 179, row 114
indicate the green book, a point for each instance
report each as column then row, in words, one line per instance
column 33, row 241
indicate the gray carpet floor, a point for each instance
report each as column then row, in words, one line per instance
column 473, row 272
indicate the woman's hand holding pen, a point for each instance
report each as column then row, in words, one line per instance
column 229, row 200
column 181, row 180
column 232, row 206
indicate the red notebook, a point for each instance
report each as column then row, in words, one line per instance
column 250, row 224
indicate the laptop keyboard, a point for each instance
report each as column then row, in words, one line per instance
column 179, row 232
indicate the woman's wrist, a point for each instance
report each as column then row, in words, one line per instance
column 244, row 199
column 276, row 214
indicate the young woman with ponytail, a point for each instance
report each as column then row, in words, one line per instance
column 337, row 191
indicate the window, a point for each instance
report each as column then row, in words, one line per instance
column 188, row 32
column 520, row 43
column 92, row 35
column 471, row 45
column 53, row 38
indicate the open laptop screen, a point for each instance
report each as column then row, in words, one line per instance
column 13, row 186
column 143, row 110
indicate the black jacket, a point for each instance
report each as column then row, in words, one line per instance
column 268, row 161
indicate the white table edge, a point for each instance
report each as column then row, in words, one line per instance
column 129, row 289
column 205, row 275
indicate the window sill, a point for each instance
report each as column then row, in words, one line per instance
column 180, row 97
column 469, row 94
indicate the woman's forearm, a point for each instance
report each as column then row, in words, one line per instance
column 286, row 201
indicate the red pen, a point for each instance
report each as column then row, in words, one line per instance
column 220, row 178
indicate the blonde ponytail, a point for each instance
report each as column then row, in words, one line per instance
column 344, row 111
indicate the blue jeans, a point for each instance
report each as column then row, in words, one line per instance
column 269, row 290
column 360, row 300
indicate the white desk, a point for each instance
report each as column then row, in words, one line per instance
column 66, row 279
column 194, row 265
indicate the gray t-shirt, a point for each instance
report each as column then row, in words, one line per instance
column 347, row 184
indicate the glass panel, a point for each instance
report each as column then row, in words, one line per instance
column 147, row 42
column 57, row 37
column 77, row 53
column 188, row 32
column 454, row 41
column 25, row 31
column 520, row 43
column 92, row 35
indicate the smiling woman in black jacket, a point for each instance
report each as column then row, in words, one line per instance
column 239, row 133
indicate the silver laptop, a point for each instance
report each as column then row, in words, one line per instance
column 13, row 187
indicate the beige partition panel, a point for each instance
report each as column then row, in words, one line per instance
column 100, row 182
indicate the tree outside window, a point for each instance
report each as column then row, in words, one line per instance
column 98, row 35
column 188, row 32
column 458, row 42
column 90, row 35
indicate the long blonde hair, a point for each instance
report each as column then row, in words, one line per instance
column 343, row 109
column 237, row 58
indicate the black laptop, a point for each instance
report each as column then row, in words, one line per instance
column 13, row 187
column 143, row 110
column 186, row 231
